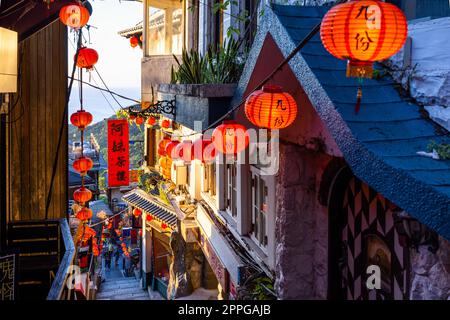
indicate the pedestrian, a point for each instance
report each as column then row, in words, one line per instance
column 108, row 260
column 117, row 256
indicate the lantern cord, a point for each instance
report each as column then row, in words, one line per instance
column 61, row 130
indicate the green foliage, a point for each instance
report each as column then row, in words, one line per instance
column 221, row 65
column 442, row 149
column 263, row 289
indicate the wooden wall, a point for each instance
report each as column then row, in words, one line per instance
column 34, row 128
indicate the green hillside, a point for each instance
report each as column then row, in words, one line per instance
column 99, row 131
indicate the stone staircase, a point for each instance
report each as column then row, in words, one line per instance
column 122, row 289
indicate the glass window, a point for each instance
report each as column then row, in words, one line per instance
column 259, row 210
column 165, row 27
column 231, row 190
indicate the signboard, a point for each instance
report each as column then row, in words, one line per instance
column 216, row 265
column 8, row 277
column 118, row 153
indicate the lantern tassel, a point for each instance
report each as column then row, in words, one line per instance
column 358, row 100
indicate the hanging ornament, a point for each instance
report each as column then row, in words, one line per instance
column 166, row 124
column 137, row 212
column 363, row 32
column 132, row 117
column 139, row 120
column 74, row 15
column 84, row 214
column 88, row 233
column 204, row 150
column 183, row 151
column 82, row 165
column 151, row 121
column 134, row 41
column 165, row 164
column 230, row 138
column 162, row 146
column 163, row 226
column 82, row 195
column 170, row 147
column 148, row 217
column 271, row 108
column 81, row 119
column 87, row 58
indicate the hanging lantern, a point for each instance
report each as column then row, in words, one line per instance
column 87, row 58
column 139, row 120
column 151, row 121
column 132, row 117
column 163, row 226
column 166, row 124
column 88, row 233
column 183, row 151
column 74, row 15
column 140, row 232
column 162, row 146
column 84, row 214
column 134, row 41
column 148, row 218
column 204, row 150
column 230, row 138
column 121, row 238
column 363, row 32
column 170, row 147
column 137, row 212
column 165, row 164
column 82, row 165
column 271, row 108
column 82, row 195
column 81, row 119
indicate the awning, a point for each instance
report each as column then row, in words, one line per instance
column 151, row 205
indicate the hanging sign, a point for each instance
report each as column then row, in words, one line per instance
column 8, row 277
column 118, row 153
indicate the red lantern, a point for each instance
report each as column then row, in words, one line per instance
column 81, row 119
column 117, row 232
column 151, row 121
column 132, row 117
column 134, row 41
column 140, row 233
column 363, row 32
column 121, row 239
column 230, row 138
column 271, row 108
column 82, row 195
column 204, row 150
column 83, row 165
column 166, row 124
column 162, row 146
column 74, row 15
column 87, row 58
column 170, row 147
column 84, row 214
column 184, row 151
column 88, row 233
column 139, row 120
column 148, row 218
column 163, row 226
column 137, row 212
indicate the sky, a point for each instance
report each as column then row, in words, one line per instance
column 119, row 64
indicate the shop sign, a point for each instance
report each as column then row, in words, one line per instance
column 118, row 153
column 8, row 277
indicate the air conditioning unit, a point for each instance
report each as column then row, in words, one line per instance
column 179, row 175
column 8, row 61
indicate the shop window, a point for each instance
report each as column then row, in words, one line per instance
column 231, row 190
column 210, row 179
column 259, row 211
column 165, row 34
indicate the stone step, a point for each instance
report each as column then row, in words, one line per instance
column 114, row 286
column 108, row 293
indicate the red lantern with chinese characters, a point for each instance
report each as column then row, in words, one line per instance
column 184, row 151
column 84, row 214
column 134, row 41
column 137, row 212
column 204, row 150
column 363, row 32
column 139, row 120
column 163, row 226
column 82, row 165
column 230, row 138
column 74, row 15
column 148, row 217
column 81, row 119
column 87, row 58
column 271, row 108
column 82, row 195
column 166, row 124
column 170, row 147
column 151, row 121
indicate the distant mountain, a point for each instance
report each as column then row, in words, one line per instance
column 100, row 133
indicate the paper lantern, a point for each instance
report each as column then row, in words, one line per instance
column 74, row 15
column 132, row 117
column 271, row 108
column 134, row 41
column 87, row 58
column 88, row 233
column 204, row 150
column 230, row 138
column 363, row 32
column 165, row 164
column 163, row 226
column 151, row 121
column 81, row 119
column 148, row 218
column 84, row 214
column 139, row 120
column 82, row 165
column 166, row 124
column 137, row 212
column 82, row 195
column 170, row 147
column 162, row 146
column 184, row 151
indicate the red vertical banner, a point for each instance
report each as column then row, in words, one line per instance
column 118, row 153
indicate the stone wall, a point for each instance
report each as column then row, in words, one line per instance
column 301, row 225
column 430, row 273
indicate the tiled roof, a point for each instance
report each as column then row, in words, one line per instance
column 149, row 204
column 131, row 31
column 381, row 142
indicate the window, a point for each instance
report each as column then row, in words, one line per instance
column 165, row 27
column 210, row 179
column 259, row 203
column 231, row 190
